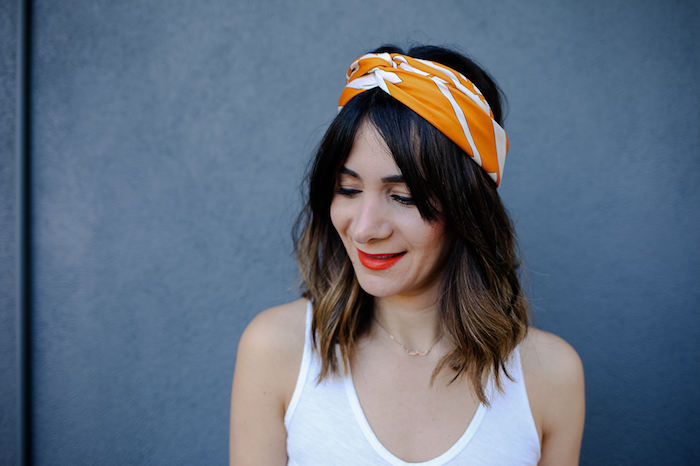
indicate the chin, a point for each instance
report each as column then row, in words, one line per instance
column 378, row 287
column 386, row 287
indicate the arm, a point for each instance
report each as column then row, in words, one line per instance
column 554, row 381
column 267, row 365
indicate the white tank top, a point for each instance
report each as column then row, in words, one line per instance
column 326, row 425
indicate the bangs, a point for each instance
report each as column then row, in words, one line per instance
column 413, row 143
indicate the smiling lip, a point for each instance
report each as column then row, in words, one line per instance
column 379, row 261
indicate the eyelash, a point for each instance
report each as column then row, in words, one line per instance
column 408, row 201
column 403, row 200
column 347, row 192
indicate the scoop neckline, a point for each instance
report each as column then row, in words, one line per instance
column 392, row 459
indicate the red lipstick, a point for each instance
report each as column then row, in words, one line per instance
column 379, row 261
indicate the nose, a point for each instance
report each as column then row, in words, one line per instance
column 371, row 222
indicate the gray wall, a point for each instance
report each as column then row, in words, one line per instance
column 168, row 142
column 9, row 343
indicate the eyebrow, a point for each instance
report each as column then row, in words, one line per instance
column 346, row 171
column 387, row 179
column 393, row 179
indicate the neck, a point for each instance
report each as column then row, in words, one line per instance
column 412, row 323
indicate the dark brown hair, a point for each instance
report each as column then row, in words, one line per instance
column 482, row 310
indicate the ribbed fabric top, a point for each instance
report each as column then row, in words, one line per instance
column 326, row 425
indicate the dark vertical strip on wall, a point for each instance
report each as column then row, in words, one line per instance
column 23, row 233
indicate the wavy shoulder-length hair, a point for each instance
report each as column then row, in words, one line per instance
column 482, row 310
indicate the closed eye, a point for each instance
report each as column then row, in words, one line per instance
column 347, row 192
column 403, row 199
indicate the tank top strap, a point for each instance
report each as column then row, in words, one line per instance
column 304, row 369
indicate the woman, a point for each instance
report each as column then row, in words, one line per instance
column 412, row 344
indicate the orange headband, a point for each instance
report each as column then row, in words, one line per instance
column 441, row 95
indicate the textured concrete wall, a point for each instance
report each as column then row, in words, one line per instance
column 9, row 384
column 169, row 140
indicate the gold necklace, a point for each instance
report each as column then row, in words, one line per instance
column 410, row 351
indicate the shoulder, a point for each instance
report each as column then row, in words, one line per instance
column 275, row 337
column 267, row 364
column 272, row 344
column 553, row 376
column 550, row 359
column 278, row 328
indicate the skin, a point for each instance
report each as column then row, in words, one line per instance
column 372, row 212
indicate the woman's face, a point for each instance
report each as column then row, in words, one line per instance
column 393, row 250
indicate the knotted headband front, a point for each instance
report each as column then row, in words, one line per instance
column 441, row 95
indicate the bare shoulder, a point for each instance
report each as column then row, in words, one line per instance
column 547, row 355
column 267, row 365
column 273, row 342
column 553, row 376
column 277, row 330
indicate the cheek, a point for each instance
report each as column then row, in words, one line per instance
column 434, row 238
column 337, row 216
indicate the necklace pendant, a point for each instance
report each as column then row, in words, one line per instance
column 411, row 352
